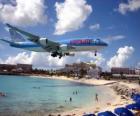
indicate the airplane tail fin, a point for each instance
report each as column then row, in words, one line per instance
column 15, row 36
column 29, row 35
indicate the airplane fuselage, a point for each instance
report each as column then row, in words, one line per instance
column 25, row 40
column 66, row 46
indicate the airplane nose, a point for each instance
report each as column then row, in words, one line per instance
column 105, row 44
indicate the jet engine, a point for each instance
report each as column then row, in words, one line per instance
column 69, row 54
column 43, row 41
column 46, row 43
column 64, row 47
column 65, row 50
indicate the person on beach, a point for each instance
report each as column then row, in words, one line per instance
column 70, row 99
column 133, row 92
column 139, row 80
column 96, row 97
column 75, row 93
column 2, row 94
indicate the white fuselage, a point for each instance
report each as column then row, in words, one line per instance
column 71, row 48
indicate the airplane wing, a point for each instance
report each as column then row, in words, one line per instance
column 46, row 44
column 31, row 37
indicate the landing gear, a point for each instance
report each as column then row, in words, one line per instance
column 67, row 54
column 60, row 56
column 55, row 54
column 95, row 53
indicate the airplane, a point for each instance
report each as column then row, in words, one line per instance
column 56, row 48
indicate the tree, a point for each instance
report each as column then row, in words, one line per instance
column 82, row 73
column 121, row 74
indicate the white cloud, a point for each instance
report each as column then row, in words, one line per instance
column 90, row 57
column 131, row 6
column 19, row 58
column 25, row 12
column 94, row 27
column 1, row 6
column 71, row 15
column 114, row 38
column 44, row 60
column 120, row 58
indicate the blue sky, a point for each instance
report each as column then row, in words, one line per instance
column 115, row 21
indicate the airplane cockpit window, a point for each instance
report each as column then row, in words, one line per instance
column 97, row 40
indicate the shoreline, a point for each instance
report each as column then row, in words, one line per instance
column 119, row 88
column 93, row 82
column 120, row 100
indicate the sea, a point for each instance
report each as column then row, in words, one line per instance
column 33, row 96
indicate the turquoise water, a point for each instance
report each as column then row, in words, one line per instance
column 29, row 95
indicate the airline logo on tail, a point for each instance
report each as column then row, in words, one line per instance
column 15, row 36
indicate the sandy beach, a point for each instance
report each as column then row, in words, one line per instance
column 120, row 99
column 93, row 81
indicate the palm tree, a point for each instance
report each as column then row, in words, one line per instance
column 82, row 73
column 121, row 74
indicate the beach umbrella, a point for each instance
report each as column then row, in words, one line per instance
column 123, row 112
column 106, row 113
column 134, row 106
column 136, row 98
column 137, row 101
column 89, row 115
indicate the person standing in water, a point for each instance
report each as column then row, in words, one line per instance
column 70, row 99
column 96, row 97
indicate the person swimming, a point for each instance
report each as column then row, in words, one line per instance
column 2, row 94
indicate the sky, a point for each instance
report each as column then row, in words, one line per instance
column 115, row 21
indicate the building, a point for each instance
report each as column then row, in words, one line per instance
column 7, row 67
column 94, row 72
column 119, row 70
column 75, row 69
column 24, row 67
column 15, row 68
column 137, row 71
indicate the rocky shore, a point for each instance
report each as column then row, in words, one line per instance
column 124, row 90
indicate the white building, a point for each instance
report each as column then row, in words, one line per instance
column 90, row 70
column 137, row 71
column 94, row 72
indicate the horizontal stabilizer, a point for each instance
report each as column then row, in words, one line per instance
column 4, row 40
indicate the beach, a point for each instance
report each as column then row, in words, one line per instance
column 50, row 95
column 120, row 88
column 93, row 81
